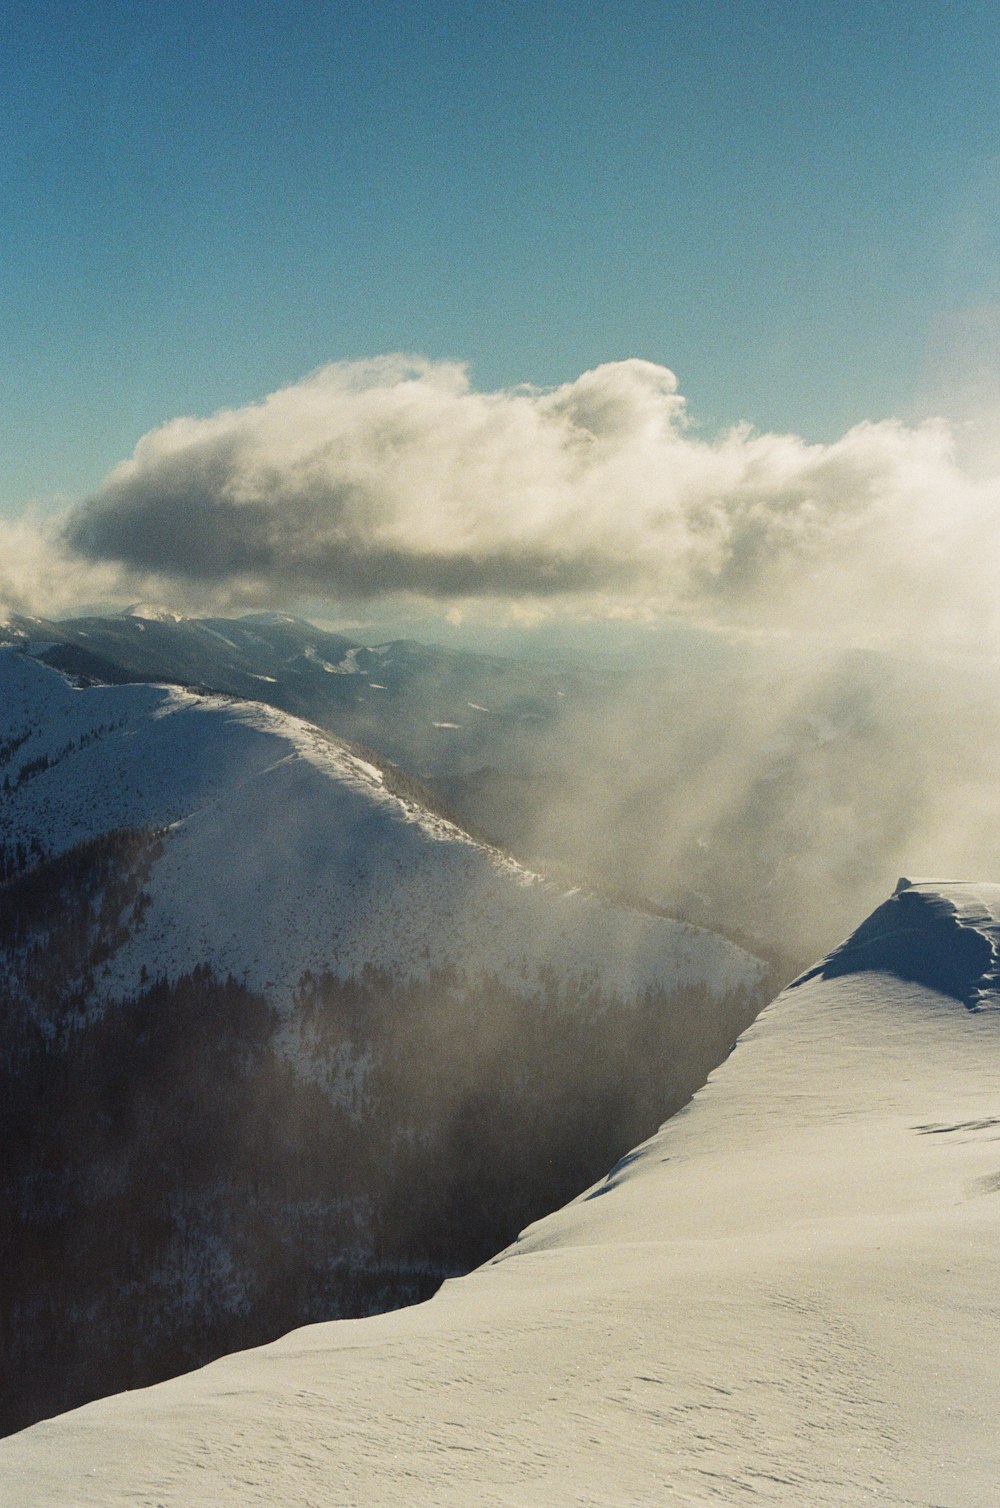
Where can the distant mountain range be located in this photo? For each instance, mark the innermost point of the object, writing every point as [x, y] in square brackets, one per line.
[767, 793]
[279, 1040]
[430, 709]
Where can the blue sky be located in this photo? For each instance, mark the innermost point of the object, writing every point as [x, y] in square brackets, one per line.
[795, 208]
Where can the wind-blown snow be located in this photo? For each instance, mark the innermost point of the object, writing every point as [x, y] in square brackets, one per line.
[789, 1294]
[286, 852]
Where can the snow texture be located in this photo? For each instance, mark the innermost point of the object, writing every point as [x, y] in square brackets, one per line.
[945, 937]
[789, 1294]
[285, 851]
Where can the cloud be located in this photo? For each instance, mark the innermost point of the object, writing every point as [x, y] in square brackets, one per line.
[40, 575]
[394, 476]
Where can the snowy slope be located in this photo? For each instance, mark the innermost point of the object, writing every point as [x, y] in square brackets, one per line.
[789, 1294]
[427, 707]
[286, 852]
[279, 1044]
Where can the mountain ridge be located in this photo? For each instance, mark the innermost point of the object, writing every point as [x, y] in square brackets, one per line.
[787, 1293]
[944, 934]
[279, 1043]
[110, 738]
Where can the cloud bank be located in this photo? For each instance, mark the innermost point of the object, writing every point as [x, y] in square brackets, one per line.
[41, 575]
[394, 476]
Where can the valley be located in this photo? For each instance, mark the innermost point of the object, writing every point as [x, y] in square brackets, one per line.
[281, 1043]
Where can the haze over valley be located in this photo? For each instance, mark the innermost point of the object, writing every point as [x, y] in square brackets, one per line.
[499, 701]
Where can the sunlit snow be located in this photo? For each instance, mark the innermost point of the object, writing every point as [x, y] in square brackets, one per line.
[789, 1294]
[285, 851]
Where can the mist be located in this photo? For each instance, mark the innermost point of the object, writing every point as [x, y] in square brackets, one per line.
[773, 790]
[756, 683]
[40, 576]
[787, 651]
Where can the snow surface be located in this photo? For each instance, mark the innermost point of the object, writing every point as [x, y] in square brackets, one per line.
[790, 1294]
[286, 852]
[946, 936]
[152, 612]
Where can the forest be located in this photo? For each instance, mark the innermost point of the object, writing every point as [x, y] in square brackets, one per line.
[191, 1171]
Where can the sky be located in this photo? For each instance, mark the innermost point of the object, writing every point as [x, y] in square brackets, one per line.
[795, 211]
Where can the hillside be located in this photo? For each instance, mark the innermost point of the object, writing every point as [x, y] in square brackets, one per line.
[429, 708]
[766, 793]
[786, 1295]
[283, 850]
[280, 1043]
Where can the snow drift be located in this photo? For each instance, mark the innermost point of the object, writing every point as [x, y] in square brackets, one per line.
[946, 938]
[786, 1295]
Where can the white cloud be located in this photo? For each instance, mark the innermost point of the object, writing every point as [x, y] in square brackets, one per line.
[40, 576]
[394, 476]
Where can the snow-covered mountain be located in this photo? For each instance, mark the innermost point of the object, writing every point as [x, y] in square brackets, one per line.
[788, 1294]
[765, 791]
[284, 851]
[431, 709]
[279, 1041]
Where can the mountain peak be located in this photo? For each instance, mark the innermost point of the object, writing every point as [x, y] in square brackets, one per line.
[276, 618]
[151, 612]
[941, 933]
